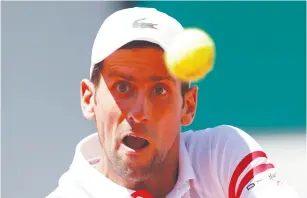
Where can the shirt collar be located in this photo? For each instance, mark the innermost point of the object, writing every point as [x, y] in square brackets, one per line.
[87, 154]
[186, 172]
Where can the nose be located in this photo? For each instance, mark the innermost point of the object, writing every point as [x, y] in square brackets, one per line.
[139, 110]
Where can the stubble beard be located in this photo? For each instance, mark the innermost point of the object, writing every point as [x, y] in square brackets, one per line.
[132, 172]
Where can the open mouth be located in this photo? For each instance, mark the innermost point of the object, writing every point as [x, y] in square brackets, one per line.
[134, 142]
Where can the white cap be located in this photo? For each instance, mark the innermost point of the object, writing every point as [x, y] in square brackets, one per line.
[133, 24]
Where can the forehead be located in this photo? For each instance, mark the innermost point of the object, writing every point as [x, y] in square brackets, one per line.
[137, 61]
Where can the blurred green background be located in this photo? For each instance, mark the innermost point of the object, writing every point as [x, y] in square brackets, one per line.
[259, 80]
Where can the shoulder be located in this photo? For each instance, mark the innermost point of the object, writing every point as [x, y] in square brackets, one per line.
[68, 192]
[217, 138]
[223, 153]
[61, 192]
[219, 145]
[214, 148]
[68, 187]
[56, 194]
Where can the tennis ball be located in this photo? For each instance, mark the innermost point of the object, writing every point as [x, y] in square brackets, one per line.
[190, 55]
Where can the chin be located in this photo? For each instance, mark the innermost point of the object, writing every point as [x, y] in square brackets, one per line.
[139, 168]
[138, 164]
[137, 175]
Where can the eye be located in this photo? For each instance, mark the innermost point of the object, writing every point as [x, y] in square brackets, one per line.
[123, 87]
[159, 90]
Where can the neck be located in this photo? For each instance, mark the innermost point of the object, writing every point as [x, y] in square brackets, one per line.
[159, 184]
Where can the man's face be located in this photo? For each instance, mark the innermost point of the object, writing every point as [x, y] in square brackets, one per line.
[138, 110]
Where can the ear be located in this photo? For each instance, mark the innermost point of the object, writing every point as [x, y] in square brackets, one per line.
[189, 106]
[87, 90]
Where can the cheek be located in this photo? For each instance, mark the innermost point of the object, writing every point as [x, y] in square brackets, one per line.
[167, 130]
[107, 111]
[168, 109]
[166, 118]
[105, 104]
[107, 114]
[160, 114]
[108, 127]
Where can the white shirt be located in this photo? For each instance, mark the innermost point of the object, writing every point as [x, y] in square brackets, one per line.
[212, 163]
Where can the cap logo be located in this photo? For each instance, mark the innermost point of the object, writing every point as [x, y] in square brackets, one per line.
[138, 24]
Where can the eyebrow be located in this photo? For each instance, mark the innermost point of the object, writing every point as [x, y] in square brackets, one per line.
[121, 75]
[130, 78]
[160, 78]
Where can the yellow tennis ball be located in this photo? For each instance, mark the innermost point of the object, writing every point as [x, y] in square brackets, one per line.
[191, 54]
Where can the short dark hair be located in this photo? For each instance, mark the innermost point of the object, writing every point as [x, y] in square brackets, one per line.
[95, 77]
